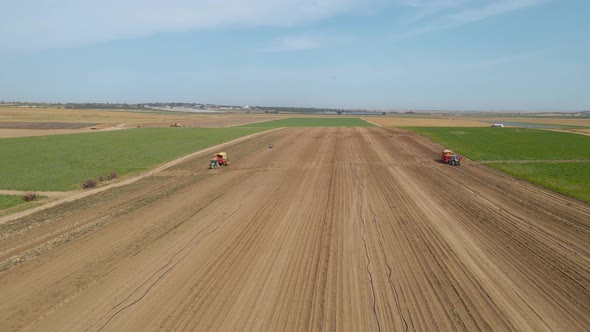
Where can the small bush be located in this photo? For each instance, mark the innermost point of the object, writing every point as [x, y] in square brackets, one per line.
[29, 196]
[108, 177]
[88, 184]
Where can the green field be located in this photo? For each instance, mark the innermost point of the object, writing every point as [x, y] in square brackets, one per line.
[311, 122]
[572, 179]
[514, 144]
[63, 162]
[7, 201]
[510, 143]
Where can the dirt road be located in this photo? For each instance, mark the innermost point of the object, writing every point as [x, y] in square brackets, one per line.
[334, 228]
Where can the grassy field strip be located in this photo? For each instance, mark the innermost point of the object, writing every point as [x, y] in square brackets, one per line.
[20, 192]
[63, 162]
[311, 122]
[81, 194]
[510, 143]
[555, 160]
[12, 198]
[570, 178]
[13, 203]
[7, 201]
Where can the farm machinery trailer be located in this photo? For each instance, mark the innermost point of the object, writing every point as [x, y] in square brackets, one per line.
[448, 157]
[218, 159]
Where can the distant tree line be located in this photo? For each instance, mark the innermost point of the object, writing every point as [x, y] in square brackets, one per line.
[129, 106]
[103, 106]
[300, 109]
[194, 105]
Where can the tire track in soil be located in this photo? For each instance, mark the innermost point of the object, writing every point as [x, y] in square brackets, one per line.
[142, 290]
[334, 228]
[360, 185]
[427, 182]
[37, 239]
[230, 265]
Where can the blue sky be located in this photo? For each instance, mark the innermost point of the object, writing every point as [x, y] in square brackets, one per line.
[376, 54]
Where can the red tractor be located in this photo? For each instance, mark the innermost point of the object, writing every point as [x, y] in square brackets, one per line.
[219, 159]
[448, 157]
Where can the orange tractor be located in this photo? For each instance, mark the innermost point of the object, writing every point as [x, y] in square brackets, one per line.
[219, 159]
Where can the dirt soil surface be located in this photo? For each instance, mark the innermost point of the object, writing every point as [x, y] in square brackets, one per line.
[578, 131]
[353, 229]
[44, 125]
[427, 122]
[541, 120]
[23, 122]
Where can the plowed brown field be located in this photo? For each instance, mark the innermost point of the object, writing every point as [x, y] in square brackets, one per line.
[333, 229]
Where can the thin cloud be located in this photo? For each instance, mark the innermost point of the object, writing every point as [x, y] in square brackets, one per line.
[34, 24]
[292, 43]
[433, 16]
[492, 9]
[506, 59]
[31, 24]
[425, 9]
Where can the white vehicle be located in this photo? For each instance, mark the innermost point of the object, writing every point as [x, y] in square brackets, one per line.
[499, 125]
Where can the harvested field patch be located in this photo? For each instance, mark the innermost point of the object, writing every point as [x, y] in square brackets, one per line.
[313, 122]
[44, 125]
[9, 133]
[581, 131]
[572, 122]
[23, 122]
[333, 229]
[388, 121]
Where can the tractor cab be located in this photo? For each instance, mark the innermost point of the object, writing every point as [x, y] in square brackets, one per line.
[448, 157]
